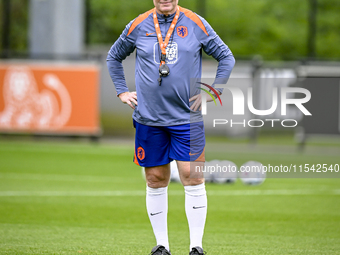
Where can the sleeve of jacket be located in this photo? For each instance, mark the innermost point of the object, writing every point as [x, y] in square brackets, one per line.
[213, 45]
[122, 48]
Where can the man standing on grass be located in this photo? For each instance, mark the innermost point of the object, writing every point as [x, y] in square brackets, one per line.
[169, 40]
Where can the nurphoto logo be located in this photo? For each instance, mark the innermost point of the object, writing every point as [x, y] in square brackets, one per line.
[240, 101]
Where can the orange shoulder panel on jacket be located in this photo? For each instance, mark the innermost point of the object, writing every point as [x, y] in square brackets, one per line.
[191, 15]
[139, 19]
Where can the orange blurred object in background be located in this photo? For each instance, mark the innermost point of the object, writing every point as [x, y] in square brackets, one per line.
[49, 98]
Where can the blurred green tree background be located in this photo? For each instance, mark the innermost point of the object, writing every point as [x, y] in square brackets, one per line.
[275, 29]
[18, 36]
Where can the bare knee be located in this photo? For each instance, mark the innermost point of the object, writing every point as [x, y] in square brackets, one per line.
[187, 177]
[189, 181]
[157, 177]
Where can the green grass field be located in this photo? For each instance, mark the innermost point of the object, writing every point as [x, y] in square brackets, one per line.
[81, 198]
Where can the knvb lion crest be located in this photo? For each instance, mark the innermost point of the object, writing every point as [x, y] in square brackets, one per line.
[182, 31]
[140, 153]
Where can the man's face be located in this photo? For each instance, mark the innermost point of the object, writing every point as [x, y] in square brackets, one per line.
[165, 6]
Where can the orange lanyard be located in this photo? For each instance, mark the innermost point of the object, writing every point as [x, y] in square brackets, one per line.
[164, 44]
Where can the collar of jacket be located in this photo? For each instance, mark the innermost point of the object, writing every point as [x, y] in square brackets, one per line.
[165, 19]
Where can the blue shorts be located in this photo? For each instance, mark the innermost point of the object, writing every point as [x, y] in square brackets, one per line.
[158, 145]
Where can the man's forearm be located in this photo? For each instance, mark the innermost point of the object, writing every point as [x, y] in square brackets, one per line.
[225, 66]
[117, 74]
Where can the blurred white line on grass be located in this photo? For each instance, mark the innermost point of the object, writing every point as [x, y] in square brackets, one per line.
[122, 193]
[57, 177]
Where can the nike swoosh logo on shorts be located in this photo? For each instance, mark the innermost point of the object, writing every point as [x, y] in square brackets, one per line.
[192, 154]
[198, 207]
[147, 34]
[153, 214]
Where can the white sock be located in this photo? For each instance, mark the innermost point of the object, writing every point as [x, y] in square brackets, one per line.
[157, 207]
[196, 211]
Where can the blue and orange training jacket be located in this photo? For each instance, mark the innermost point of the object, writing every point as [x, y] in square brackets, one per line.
[168, 104]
